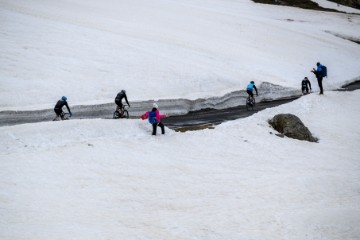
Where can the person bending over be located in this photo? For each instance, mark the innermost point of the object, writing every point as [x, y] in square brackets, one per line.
[305, 85]
[154, 118]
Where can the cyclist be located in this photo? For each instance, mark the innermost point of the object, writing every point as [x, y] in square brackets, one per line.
[249, 90]
[305, 84]
[118, 100]
[59, 105]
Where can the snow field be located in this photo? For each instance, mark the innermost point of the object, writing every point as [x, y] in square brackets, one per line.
[101, 179]
[164, 49]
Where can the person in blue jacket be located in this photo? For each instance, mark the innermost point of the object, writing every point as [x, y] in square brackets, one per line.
[319, 76]
[249, 89]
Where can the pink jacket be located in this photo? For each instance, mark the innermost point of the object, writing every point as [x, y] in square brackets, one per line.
[158, 116]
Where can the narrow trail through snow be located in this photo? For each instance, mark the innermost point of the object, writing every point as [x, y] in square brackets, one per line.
[191, 121]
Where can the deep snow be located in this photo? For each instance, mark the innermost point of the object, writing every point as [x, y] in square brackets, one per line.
[107, 179]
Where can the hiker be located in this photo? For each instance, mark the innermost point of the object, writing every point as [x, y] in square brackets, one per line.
[154, 118]
[319, 73]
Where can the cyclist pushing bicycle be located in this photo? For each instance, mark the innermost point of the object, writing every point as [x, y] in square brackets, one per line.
[249, 89]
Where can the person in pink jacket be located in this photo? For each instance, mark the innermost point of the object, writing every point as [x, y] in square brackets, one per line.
[154, 118]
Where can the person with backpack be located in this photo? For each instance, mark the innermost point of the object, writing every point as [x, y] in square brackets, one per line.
[154, 118]
[59, 105]
[118, 100]
[320, 72]
[305, 84]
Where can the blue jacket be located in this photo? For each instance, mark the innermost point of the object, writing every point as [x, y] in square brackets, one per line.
[250, 86]
[319, 68]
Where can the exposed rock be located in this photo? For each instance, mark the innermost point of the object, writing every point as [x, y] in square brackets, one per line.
[308, 4]
[292, 127]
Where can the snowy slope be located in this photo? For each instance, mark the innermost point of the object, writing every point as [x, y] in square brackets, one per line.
[89, 50]
[105, 179]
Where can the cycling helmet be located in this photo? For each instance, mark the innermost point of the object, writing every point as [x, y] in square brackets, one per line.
[252, 82]
[123, 91]
[64, 98]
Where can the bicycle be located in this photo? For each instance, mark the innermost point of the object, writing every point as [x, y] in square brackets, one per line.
[63, 116]
[306, 91]
[121, 112]
[250, 103]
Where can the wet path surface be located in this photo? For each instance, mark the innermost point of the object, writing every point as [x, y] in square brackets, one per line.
[209, 117]
[205, 118]
[197, 119]
[351, 87]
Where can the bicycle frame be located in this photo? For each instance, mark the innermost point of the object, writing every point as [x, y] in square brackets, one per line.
[123, 107]
[250, 103]
[62, 116]
[122, 112]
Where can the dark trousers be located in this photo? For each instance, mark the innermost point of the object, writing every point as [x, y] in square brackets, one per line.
[320, 85]
[119, 105]
[58, 111]
[250, 92]
[305, 89]
[155, 127]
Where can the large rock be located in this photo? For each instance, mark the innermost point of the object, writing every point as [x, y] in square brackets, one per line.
[292, 127]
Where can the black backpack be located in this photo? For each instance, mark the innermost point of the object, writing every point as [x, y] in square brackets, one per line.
[324, 71]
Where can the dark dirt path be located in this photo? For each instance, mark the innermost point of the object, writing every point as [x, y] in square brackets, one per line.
[208, 117]
[205, 118]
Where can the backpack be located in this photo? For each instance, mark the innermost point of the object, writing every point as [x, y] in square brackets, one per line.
[324, 71]
[152, 117]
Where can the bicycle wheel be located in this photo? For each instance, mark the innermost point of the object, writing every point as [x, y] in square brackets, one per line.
[66, 116]
[249, 104]
[249, 107]
[125, 114]
[116, 115]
